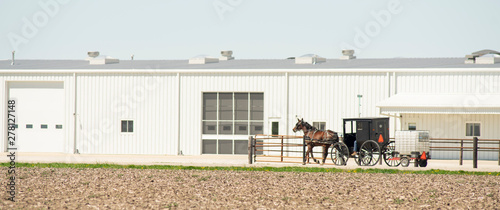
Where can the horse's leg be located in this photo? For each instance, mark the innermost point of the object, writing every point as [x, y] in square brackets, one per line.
[325, 152]
[309, 148]
[312, 154]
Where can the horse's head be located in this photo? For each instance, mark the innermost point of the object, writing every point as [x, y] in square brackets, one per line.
[299, 126]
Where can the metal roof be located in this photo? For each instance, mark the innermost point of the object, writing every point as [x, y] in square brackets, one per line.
[477, 103]
[392, 63]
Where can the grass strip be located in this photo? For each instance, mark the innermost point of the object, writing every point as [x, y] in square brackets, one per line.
[236, 168]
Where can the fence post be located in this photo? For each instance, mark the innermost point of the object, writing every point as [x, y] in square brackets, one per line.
[254, 149]
[281, 148]
[250, 149]
[499, 153]
[461, 151]
[474, 153]
[304, 150]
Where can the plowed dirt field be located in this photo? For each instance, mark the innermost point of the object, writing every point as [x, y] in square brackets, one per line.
[58, 188]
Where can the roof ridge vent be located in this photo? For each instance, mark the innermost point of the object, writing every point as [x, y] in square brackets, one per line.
[226, 55]
[483, 57]
[309, 59]
[203, 59]
[347, 55]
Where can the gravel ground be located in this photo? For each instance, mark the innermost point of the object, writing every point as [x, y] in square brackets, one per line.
[187, 189]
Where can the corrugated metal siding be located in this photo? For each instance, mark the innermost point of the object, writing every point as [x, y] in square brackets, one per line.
[331, 97]
[151, 100]
[452, 82]
[192, 86]
[68, 94]
[453, 126]
[147, 99]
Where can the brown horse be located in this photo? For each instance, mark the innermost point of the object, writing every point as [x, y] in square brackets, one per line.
[315, 137]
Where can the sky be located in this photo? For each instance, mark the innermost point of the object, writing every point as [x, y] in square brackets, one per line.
[252, 29]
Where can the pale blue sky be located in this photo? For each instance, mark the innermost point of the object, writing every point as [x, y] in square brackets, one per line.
[269, 29]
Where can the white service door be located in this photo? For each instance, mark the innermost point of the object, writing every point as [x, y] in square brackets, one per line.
[40, 115]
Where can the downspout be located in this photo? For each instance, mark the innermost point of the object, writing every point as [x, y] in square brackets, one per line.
[179, 151]
[75, 150]
[287, 102]
[389, 85]
[395, 83]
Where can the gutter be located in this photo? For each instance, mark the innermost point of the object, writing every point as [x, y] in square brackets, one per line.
[75, 115]
[246, 71]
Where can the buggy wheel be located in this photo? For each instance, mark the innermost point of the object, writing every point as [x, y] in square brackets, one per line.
[369, 153]
[405, 161]
[340, 154]
[422, 163]
[391, 157]
[358, 160]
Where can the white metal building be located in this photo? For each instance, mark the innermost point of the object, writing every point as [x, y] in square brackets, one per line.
[173, 107]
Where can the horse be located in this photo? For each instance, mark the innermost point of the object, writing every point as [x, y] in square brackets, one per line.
[315, 137]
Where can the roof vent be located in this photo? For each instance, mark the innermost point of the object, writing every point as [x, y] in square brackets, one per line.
[483, 57]
[226, 55]
[347, 55]
[309, 59]
[96, 59]
[93, 54]
[203, 59]
[13, 58]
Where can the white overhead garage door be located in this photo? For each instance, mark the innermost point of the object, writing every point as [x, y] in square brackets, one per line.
[40, 115]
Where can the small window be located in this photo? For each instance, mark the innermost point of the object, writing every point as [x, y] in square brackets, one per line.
[44, 126]
[29, 126]
[473, 129]
[320, 125]
[275, 128]
[127, 126]
[58, 126]
[412, 126]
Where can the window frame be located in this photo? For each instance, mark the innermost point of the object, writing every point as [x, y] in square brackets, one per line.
[234, 122]
[127, 132]
[235, 134]
[412, 123]
[319, 124]
[473, 128]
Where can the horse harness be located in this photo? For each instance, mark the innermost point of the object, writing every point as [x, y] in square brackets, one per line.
[322, 141]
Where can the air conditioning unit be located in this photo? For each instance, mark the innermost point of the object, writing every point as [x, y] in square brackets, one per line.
[226, 55]
[347, 55]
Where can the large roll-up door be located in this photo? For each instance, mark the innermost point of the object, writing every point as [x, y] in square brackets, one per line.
[40, 115]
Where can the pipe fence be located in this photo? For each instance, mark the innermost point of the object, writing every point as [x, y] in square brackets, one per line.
[278, 148]
[289, 149]
[474, 145]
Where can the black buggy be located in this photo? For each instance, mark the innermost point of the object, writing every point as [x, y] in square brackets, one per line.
[372, 138]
